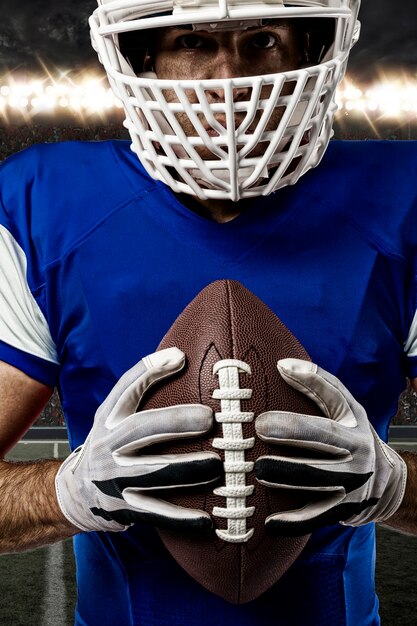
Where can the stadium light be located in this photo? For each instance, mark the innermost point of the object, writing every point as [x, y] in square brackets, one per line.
[88, 94]
[389, 97]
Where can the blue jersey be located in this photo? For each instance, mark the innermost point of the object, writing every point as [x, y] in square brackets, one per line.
[98, 260]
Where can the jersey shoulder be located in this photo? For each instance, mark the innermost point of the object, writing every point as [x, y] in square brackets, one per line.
[359, 153]
[373, 184]
[373, 168]
[57, 193]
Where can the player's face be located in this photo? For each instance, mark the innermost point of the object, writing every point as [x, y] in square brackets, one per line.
[199, 55]
[183, 54]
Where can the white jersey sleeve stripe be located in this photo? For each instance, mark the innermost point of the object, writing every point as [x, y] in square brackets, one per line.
[22, 323]
[410, 346]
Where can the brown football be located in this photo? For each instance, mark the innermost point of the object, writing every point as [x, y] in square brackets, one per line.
[232, 342]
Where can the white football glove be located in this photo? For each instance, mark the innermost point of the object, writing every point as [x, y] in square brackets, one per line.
[109, 483]
[353, 476]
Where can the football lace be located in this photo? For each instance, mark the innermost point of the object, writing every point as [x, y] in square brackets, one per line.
[234, 446]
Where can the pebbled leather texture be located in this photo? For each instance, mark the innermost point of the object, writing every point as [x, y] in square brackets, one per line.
[227, 321]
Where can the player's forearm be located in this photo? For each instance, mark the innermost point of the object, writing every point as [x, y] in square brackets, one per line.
[29, 512]
[405, 518]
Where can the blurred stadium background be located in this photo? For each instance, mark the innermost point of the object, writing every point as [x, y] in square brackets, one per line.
[38, 588]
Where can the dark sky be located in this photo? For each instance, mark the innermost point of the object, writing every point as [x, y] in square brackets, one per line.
[57, 34]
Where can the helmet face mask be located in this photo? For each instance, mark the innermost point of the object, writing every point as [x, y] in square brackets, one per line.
[258, 132]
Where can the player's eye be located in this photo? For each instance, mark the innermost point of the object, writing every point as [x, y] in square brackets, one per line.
[263, 40]
[190, 41]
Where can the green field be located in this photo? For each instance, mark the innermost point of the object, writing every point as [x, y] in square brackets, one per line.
[38, 587]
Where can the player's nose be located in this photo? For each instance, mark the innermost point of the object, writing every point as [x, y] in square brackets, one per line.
[229, 64]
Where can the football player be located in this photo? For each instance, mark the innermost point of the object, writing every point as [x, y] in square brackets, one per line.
[229, 104]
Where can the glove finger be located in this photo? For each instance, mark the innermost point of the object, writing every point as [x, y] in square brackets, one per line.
[287, 473]
[136, 507]
[165, 472]
[165, 514]
[323, 388]
[306, 432]
[128, 391]
[310, 517]
[157, 425]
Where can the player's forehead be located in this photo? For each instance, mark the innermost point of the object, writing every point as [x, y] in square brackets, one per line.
[235, 25]
[230, 27]
[225, 34]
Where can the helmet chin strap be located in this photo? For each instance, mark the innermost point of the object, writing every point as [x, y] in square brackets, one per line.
[243, 174]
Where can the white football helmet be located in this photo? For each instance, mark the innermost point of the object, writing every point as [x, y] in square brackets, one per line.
[226, 163]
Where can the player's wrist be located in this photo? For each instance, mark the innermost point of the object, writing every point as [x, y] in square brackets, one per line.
[74, 505]
[67, 493]
[394, 492]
